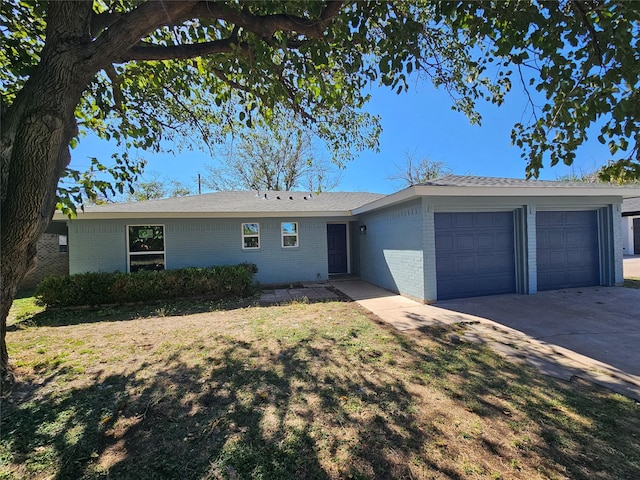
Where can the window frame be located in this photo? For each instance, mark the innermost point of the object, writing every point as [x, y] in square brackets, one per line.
[163, 252]
[284, 235]
[252, 235]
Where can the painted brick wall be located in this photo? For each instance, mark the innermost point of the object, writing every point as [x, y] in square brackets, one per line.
[49, 261]
[391, 252]
[97, 246]
[101, 246]
[616, 212]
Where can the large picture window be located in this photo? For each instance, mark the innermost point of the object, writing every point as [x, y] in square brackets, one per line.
[289, 234]
[146, 247]
[250, 236]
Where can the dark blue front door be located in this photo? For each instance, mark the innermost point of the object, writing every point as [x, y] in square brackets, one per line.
[337, 247]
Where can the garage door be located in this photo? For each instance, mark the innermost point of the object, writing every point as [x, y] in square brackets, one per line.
[475, 254]
[567, 246]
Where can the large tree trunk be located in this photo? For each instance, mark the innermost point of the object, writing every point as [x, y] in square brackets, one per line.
[36, 131]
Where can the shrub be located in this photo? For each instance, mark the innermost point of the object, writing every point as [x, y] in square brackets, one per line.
[214, 283]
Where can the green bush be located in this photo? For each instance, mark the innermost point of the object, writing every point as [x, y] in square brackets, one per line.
[215, 283]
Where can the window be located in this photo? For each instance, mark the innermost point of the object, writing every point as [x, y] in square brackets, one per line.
[146, 247]
[63, 247]
[290, 234]
[250, 235]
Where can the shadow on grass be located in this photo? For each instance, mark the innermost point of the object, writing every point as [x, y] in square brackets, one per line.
[228, 421]
[585, 428]
[57, 317]
[253, 411]
[631, 283]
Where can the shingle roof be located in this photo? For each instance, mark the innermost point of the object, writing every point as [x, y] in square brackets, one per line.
[477, 181]
[631, 205]
[243, 202]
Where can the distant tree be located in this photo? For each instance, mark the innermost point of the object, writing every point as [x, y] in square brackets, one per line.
[605, 174]
[580, 175]
[413, 171]
[155, 188]
[280, 158]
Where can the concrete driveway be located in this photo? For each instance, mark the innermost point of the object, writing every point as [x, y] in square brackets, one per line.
[632, 266]
[599, 322]
[590, 333]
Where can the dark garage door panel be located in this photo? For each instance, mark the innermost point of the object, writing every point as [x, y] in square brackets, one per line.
[567, 249]
[474, 254]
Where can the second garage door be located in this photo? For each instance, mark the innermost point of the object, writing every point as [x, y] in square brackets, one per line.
[475, 254]
[568, 254]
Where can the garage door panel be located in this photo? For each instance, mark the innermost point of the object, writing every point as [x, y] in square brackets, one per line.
[462, 220]
[484, 220]
[483, 254]
[486, 241]
[464, 242]
[567, 249]
[444, 243]
[464, 264]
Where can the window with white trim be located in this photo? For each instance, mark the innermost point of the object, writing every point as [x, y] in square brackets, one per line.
[289, 234]
[250, 236]
[145, 245]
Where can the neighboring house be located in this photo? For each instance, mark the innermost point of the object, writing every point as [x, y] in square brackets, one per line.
[52, 256]
[447, 238]
[631, 226]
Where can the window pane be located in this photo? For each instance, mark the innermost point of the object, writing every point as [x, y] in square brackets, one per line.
[251, 242]
[250, 229]
[146, 238]
[290, 228]
[290, 241]
[146, 262]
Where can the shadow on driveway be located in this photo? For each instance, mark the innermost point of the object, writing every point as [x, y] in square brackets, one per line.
[602, 323]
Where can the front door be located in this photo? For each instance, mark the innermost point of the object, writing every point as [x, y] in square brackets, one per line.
[636, 236]
[337, 247]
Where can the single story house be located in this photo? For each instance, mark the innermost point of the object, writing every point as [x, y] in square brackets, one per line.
[456, 236]
[631, 226]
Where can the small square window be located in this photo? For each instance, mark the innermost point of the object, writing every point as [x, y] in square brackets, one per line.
[289, 234]
[250, 236]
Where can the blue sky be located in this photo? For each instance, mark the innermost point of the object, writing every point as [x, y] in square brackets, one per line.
[420, 122]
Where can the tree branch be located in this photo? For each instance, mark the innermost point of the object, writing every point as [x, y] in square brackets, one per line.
[121, 40]
[594, 39]
[146, 51]
[115, 84]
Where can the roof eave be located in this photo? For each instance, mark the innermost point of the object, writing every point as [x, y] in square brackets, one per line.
[142, 215]
[496, 191]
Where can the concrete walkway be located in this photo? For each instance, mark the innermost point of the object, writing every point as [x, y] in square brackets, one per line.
[550, 358]
[304, 293]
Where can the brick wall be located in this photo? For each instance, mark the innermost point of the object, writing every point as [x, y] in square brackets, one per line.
[49, 261]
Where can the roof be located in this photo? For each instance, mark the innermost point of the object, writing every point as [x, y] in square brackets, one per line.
[498, 182]
[344, 204]
[631, 206]
[237, 204]
[476, 186]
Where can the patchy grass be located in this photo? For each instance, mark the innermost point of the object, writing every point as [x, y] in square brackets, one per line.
[24, 307]
[305, 391]
[632, 282]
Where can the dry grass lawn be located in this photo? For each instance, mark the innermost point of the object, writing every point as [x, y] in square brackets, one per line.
[304, 391]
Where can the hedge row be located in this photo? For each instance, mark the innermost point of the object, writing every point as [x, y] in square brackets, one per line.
[215, 283]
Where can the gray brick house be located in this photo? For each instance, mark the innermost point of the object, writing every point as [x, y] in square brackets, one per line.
[452, 237]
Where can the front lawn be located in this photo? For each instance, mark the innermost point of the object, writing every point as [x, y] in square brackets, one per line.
[304, 391]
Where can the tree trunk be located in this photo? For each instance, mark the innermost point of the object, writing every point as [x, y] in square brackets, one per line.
[36, 131]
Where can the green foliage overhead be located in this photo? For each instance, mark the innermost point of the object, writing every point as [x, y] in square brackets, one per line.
[224, 65]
